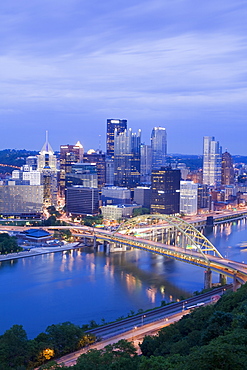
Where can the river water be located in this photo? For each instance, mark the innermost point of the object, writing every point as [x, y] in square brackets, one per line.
[83, 285]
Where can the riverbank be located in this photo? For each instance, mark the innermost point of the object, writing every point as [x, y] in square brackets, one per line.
[35, 251]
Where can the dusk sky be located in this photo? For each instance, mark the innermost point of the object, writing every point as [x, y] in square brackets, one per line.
[68, 65]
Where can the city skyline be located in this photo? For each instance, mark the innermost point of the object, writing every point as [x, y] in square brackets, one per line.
[68, 67]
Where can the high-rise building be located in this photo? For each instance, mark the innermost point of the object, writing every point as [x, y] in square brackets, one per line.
[21, 200]
[69, 154]
[83, 174]
[118, 125]
[165, 191]
[127, 158]
[227, 171]
[211, 161]
[142, 196]
[188, 197]
[115, 195]
[146, 164]
[98, 158]
[47, 165]
[203, 200]
[82, 201]
[159, 147]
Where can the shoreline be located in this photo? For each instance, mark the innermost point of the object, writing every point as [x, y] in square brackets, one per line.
[37, 251]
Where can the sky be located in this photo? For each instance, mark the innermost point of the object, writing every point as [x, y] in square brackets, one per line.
[66, 66]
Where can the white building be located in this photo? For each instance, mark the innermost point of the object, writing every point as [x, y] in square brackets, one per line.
[117, 212]
[211, 161]
[188, 197]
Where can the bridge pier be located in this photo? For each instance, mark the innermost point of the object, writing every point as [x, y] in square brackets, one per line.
[208, 279]
[236, 284]
[223, 279]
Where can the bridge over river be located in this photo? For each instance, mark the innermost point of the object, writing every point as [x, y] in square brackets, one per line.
[171, 237]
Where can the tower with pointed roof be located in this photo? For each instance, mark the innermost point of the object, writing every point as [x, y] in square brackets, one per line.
[47, 165]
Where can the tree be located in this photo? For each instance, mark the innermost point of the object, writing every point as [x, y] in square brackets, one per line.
[140, 211]
[14, 347]
[65, 337]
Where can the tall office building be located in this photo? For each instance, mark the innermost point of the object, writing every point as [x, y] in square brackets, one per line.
[82, 201]
[98, 158]
[118, 125]
[159, 147]
[211, 161]
[47, 165]
[69, 154]
[188, 197]
[83, 174]
[146, 163]
[227, 171]
[127, 158]
[165, 191]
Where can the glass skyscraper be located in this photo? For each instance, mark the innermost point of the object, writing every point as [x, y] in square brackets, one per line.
[211, 161]
[113, 124]
[159, 147]
[127, 158]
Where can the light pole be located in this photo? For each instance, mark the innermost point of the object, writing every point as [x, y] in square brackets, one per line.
[184, 305]
[143, 318]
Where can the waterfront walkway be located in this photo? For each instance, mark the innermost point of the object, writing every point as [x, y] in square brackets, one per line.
[35, 251]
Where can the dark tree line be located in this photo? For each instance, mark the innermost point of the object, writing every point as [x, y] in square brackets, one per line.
[212, 337]
[8, 244]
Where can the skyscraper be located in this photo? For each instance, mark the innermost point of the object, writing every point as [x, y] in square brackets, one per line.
[165, 191]
[47, 165]
[99, 159]
[69, 154]
[113, 124]
[146, 164]
[227, 171]
[159, 147]
[211, 161]
[127, 158]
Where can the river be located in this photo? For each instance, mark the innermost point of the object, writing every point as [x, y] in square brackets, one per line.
[83, 285]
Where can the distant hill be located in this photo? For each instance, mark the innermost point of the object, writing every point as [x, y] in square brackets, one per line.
[11, 158]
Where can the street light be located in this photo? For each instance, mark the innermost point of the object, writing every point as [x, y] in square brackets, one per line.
[143, 318]
[184, 305]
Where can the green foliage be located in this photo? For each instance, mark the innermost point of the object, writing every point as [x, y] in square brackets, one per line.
[92, 220]
[140, 211]
[53, 212]
[64, 337]
[14, 348]
[121, 355]
[8, 244]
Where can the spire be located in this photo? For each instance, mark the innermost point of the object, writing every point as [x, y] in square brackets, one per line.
[46, 147]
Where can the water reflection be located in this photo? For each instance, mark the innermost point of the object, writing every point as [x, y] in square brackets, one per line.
[83, 285]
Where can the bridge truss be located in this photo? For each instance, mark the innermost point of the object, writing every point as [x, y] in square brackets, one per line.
[194, 237]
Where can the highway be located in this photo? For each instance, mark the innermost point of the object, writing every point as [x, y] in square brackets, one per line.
[148, 323]
[129, 323]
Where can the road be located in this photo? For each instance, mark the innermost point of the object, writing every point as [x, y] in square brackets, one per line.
[148, 323]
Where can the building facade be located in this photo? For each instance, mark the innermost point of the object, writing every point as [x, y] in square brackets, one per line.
[118, 125]
[146, 164]
[165, 191]
[83, 174]
[227, 170]
[188, 197]
[82, 201]
[98, 158]
[159, 147]
[69, 154]
[47, 165]
[211, 161]
[127, 159]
